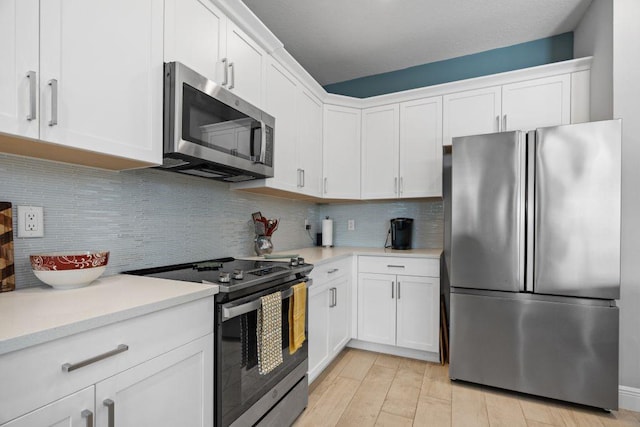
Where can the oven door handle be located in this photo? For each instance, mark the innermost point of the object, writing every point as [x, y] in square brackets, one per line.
[229, 311]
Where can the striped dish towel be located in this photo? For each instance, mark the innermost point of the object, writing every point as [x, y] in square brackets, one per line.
[269, 332]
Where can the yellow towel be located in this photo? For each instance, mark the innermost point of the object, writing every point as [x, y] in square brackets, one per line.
[297, 308]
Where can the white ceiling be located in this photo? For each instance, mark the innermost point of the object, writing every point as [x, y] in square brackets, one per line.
[338, 40]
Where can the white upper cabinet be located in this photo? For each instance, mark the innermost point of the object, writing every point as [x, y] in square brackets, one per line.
[101, 76]
[19, 73]
[298, 135]
[244, 65]
[83, 75]
[380, 152]
[536, 103]
[309, 146]
[524, 105]
[402, 150]
[341, 152]
[280, 102]
[421, 148]
[200, 36]
[472, 112]
[195, 34]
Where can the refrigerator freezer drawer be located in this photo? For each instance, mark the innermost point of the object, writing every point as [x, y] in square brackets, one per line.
[563, 351]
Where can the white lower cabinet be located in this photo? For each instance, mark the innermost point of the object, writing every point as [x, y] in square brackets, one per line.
[155, 369]
[399, 309]
[169, 390]
[329, 313]
[75, 410]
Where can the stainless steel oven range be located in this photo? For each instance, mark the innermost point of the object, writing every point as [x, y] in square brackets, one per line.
[243, 396]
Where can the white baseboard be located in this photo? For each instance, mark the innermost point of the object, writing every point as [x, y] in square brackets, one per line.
[629, 398]
[396, 351]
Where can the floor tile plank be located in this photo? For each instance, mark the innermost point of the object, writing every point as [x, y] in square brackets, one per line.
[432, 412]
[391, 420]
[331, 404]
[369, 398]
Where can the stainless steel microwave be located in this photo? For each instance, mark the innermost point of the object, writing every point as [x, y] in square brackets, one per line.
[210, 132]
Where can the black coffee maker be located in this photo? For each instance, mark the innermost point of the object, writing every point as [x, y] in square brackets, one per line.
[401, 231]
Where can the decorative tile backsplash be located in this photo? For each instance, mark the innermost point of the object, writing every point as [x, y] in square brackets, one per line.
[372, 222]
[145, 217]
[149, 217]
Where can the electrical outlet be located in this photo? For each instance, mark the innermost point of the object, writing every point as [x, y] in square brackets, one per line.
[351, 224]
[307, 226]
[30, 221]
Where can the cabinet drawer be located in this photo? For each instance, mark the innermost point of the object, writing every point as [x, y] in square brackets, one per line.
[37, 376]
[395, 265]
[331, 270]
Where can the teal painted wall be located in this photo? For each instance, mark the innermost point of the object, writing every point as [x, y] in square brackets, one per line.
[524, 55]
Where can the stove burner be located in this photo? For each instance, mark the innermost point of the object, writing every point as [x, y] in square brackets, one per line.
[224, 277]
[238, 274]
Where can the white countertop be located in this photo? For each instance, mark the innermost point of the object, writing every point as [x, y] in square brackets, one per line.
[317, 255]
[35, 315]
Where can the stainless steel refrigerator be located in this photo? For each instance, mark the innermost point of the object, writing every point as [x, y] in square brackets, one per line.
[532, 249]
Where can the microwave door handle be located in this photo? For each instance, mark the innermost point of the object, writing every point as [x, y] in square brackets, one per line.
[263, 143]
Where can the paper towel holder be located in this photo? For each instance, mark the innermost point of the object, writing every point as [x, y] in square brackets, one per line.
[327, 232]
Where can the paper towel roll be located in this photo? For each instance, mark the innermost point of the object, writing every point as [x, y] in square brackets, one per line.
[327, 232]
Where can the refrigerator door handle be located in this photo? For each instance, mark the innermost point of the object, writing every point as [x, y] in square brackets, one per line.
[530, 209]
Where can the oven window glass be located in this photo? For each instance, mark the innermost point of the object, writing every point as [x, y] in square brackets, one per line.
[241, 383]
[215, 125]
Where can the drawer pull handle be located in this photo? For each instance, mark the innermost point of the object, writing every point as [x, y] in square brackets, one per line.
[111, 412]
[393, 284]
[68, 367]
[398, 289]
[394, 266]
[333, 270]
[89, 416]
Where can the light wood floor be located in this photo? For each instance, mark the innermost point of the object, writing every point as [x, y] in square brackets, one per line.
[361, 388]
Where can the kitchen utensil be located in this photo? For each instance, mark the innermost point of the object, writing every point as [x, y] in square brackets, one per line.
[69, 270]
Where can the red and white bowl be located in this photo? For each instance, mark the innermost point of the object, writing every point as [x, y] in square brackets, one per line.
[68, 270]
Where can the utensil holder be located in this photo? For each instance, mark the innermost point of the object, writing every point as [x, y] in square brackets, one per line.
[263, 245]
